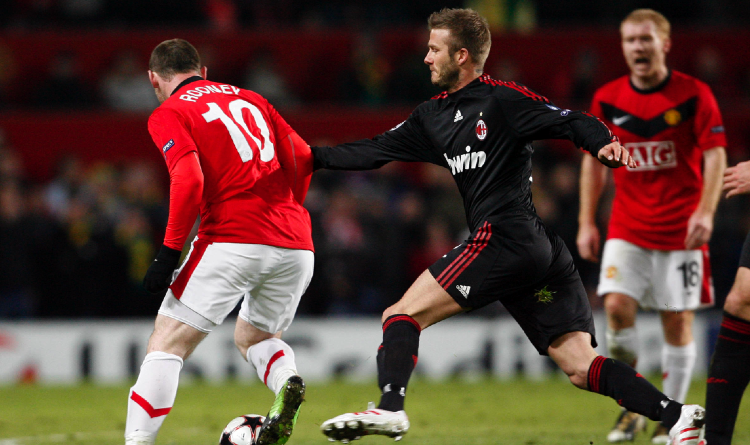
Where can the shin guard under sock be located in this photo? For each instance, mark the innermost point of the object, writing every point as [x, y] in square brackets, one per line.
[619, 381]
[728, 376]
[677, 363]
[397, 357]
[152, 396]
[273, 360]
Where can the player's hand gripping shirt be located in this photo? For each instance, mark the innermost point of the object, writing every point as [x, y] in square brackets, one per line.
[482, 133]
[666, 130]
[245, 150]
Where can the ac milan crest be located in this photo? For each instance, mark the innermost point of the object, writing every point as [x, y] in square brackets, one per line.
[481, 130]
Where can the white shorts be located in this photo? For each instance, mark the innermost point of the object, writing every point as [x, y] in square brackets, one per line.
[665, 280]
[215, 276]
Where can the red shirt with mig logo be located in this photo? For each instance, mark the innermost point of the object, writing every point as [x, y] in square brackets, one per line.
[666, 129]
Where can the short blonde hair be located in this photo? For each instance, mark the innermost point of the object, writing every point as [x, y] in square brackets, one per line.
[642, 15]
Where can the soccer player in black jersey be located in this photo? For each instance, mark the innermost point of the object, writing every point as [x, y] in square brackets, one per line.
[481, 129]
[729, 373]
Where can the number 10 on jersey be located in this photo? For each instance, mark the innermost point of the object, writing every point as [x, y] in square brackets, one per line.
[233, 124]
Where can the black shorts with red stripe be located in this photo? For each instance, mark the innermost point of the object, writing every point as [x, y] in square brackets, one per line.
[516, 260]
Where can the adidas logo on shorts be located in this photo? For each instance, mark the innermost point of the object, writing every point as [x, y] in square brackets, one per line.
[464, 290]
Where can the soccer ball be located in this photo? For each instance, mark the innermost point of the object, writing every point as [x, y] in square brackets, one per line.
[242, 430]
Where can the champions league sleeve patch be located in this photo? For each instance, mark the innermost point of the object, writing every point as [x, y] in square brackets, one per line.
[717, 129]
[397, 126]
[167, 146]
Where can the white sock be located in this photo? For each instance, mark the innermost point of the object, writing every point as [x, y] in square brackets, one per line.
[622, 345]
[152, 396]
[677, 364]
[273, 359]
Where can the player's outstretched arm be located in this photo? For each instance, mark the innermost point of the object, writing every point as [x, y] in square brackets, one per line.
[737, 179]
[405, 142]
[614, 155]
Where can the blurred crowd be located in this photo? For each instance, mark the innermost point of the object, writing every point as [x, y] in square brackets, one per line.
[79, 244]
[229, 15]
[366, 77]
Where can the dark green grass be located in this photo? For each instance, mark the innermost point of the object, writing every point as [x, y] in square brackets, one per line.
[483, 412]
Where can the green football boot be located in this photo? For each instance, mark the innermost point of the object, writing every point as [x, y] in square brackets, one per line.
[282, 417]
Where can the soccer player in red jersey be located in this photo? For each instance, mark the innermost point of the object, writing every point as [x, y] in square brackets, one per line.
[729, 373]
[656, 253]
[234, 161]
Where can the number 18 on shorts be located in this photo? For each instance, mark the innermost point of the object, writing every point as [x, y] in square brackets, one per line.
[665, 280]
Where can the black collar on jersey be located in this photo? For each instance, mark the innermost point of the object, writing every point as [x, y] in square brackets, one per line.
[652, 89]
[187, 81]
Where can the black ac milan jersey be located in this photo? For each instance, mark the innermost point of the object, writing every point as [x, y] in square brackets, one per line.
[482, 133]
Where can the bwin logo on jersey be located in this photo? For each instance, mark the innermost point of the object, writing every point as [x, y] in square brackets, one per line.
[466, 161]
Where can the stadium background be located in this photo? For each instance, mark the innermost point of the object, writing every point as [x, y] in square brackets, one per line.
[84, 201]
[84, 193]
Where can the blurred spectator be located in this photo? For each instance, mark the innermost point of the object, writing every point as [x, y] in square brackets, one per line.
[263, 76]
[437, 241]
[409, 83]
[585, 69]
[16, 254]
[126, 87]
[366, 79]
[222, 14]
[709, 68]
[8, 70]
[82, 12]
[344, 246]
[518, 15]
[134, 233]
[11, 167]
[66, 183]
[64, 88]
[507, 69]
[574, 87]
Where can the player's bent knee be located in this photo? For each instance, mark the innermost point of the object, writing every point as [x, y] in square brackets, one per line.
[387, 313]
[243, 343]
[678, 327]
[247, 335]
[737, 304]
[174, 337]
[577, 373]
[621, 310]
[395, 309]
[579, 380]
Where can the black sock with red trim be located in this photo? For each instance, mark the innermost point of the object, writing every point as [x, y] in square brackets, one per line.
[728, 376]
[397, 357]
[615, 379]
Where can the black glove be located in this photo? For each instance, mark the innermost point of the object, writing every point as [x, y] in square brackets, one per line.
[159, 274]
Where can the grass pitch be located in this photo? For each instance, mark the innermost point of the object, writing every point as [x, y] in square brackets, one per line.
[483, 412]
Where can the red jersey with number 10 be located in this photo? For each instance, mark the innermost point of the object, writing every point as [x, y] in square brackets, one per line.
[666, 130]
[246, 197]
